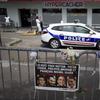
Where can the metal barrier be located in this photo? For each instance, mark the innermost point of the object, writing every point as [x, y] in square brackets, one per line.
[8, 28]
[17, 70]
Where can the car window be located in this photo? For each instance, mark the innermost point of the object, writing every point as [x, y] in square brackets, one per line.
[81, 29]
[57, 28]
[66, 28]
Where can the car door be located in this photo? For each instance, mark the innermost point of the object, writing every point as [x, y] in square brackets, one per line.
[67, 34]
[83, 36]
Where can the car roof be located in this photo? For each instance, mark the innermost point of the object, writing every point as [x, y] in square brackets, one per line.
[61, 24]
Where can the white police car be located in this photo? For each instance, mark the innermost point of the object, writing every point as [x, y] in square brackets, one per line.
[71, 34]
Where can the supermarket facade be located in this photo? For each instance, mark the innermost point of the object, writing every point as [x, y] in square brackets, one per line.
[51, 11]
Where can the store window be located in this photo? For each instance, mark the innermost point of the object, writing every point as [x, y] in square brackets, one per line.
[95, 16]
[3, 13]
[51, 16]
[34, 13]
[80, 14]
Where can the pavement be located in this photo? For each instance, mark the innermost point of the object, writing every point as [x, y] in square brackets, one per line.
[14, 41]
[20, 38]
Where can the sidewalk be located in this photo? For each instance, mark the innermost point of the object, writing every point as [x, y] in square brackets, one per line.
[24, 37]
[26, 31]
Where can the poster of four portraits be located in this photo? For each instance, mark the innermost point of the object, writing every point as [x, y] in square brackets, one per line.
[56, 76]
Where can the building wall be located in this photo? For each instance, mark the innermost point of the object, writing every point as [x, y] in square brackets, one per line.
[12, 9]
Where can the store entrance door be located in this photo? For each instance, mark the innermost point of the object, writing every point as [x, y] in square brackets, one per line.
[25, 17]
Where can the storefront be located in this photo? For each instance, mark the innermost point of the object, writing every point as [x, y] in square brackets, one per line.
[53, 14]
[22, 12]
[3, 13]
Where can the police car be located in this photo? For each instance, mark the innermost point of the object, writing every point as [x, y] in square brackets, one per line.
[71, 34]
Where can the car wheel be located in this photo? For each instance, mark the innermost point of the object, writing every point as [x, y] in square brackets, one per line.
[98, 45]
[54, 43]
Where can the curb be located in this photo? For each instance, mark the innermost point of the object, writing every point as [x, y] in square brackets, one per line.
[30, 33]
[16, 40]
[27, 33]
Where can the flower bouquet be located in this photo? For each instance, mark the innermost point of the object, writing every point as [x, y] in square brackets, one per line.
[69, 56]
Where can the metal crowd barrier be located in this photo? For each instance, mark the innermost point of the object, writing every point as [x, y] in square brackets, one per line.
[17, 70]
[11, 27]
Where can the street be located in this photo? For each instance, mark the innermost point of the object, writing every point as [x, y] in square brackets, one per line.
[27, 41]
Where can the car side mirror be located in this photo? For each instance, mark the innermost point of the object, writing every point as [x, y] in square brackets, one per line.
[91, 32]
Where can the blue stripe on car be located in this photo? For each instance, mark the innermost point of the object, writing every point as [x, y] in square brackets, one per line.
[55, 36]
[83, 39]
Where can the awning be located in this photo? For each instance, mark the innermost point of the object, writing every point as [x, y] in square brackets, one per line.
[50, 0]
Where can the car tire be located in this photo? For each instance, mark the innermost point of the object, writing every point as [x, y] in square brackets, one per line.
[98, 45]
[54, 43]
